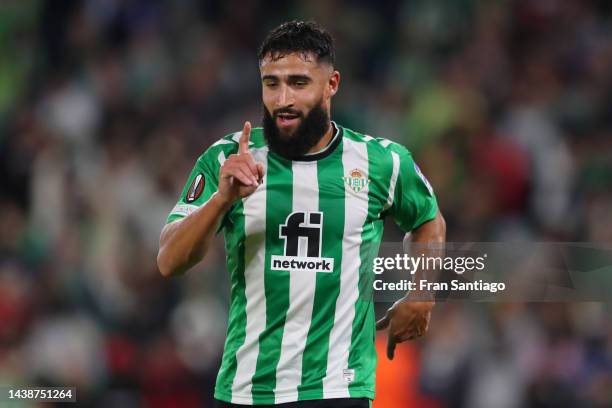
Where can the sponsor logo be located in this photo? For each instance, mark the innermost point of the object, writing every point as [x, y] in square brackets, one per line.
[196, 188]
[184, 209]
[302, 234]
[298, 263]
[356, 180]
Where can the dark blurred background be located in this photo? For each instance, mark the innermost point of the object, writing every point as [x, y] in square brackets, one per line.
[106, 104]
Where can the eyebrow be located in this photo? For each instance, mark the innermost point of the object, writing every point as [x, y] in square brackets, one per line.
[292, 78]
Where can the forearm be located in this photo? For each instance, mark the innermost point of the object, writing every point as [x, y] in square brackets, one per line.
[427, 240]
[409, 317]
[184, 243]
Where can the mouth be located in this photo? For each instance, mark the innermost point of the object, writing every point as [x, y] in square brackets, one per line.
[287, 119]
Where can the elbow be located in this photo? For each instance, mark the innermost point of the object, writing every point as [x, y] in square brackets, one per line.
[165, 265]
[441, 226]
[166, 259]
[171, 265]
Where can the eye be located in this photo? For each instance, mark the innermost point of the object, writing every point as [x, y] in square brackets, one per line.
[300, 83]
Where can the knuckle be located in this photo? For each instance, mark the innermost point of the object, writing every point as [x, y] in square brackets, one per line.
[244, 158]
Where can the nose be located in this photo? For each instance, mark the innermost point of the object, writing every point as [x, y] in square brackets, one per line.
[285, 96]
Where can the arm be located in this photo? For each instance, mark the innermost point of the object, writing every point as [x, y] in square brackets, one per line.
[183, 243]
[408, 319]
[431, 232]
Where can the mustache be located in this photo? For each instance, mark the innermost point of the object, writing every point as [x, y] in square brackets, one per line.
[289, 111]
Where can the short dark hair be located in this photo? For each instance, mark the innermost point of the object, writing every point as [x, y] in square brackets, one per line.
[298, 36]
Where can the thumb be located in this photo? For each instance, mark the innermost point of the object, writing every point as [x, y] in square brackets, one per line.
[260, 171]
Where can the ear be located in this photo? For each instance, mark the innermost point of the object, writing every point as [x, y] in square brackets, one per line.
[334, 83]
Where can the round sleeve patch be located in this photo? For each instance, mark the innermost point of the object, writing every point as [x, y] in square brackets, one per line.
[196, 188]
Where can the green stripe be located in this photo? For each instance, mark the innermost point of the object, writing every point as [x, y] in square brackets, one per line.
[279, 197]
[331, 203]
[362, 352]
[236, 331]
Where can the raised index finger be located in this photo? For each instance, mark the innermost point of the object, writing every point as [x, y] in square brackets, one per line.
[243, 146]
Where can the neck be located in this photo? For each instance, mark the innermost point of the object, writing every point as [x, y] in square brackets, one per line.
[324, 141]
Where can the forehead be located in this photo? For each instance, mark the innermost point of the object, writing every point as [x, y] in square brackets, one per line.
[292, 64]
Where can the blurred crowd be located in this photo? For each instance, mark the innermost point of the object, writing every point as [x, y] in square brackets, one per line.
[106, 104]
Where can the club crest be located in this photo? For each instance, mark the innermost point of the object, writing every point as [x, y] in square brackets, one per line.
[356, 180]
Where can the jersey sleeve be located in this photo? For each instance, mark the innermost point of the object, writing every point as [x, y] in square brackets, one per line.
[414, 201]
[201, 184]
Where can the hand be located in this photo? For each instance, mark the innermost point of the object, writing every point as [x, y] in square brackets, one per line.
[240, 175]
[406, 320]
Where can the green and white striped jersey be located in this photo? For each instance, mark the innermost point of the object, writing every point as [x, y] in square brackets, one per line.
[301, 321]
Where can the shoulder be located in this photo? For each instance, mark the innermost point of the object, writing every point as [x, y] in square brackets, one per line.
[379, 148]
[217, 152]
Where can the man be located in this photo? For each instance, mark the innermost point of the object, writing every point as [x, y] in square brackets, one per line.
[302, 203]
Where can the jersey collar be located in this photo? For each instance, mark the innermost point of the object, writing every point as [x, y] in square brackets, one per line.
[327, 150]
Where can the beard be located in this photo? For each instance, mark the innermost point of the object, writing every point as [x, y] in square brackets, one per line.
[295, 144]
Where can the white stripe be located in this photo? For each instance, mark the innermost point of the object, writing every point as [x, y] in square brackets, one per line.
[385, 142]
[223, 141]
[221, 158]
[236, 138]
[354, 155]
[367, 138]
[254, 248]
[393, 181]
[301, 293]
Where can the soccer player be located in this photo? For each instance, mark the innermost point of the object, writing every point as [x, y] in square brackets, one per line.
[301, 202]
